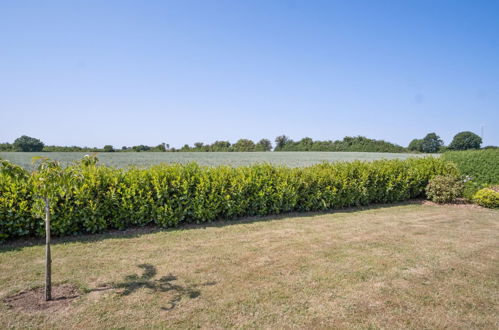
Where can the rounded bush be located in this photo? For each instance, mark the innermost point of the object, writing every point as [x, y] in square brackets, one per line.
[444, 189]
[487, 197]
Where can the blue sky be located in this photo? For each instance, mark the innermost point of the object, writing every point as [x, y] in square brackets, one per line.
[145, 72]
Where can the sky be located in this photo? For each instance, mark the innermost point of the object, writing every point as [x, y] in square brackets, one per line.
[124, 73]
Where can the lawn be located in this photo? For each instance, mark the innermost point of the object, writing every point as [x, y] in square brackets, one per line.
[123, 159]
[398, 266]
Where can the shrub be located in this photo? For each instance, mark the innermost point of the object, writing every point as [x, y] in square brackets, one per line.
[479, 166]
[444, 189]
[103, 198]
[487, 197]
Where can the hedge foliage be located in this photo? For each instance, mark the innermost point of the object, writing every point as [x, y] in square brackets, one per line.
[481, 165]
[103, 197]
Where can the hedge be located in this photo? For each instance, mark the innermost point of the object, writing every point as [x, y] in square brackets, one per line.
[167, 195]
[481, 165]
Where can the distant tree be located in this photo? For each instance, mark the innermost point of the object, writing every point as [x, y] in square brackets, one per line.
[220, 146]
[416, 145]
[160, 147]
[6, 147]
[264, 145]
[431, 143]
[465, 140]
[244, 145]
[198, 145]
[281, 142]
[305, 144]
[108, 148]
[140, 148]
[26, 143]
[124, 148]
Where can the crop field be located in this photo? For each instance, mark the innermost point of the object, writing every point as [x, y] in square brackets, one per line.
[124, 159]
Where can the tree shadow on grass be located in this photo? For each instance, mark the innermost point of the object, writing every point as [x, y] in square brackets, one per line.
[134, 282]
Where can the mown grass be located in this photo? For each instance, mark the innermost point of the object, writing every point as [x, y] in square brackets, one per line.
[404, 266]
[123, 159]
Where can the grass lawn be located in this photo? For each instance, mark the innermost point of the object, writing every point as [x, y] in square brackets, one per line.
[403, 266]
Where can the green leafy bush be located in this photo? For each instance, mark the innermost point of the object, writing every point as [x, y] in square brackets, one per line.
[444, 189]
[102, 197]
[487, 197]
[479, 166]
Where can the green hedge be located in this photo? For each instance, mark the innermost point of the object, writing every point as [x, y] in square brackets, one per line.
[166, 195]
[481, 165]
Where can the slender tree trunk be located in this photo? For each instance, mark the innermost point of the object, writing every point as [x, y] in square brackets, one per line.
[48, 260]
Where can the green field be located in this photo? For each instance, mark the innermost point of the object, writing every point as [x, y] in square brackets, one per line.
[292, 159]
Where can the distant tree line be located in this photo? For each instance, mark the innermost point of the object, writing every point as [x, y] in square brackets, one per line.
[242, 145]
[431, 143]
[357, 143]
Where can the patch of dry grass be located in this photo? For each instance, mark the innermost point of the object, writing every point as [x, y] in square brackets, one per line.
[405, 266]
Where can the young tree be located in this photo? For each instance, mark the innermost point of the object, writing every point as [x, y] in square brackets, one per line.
[27, 144]
[50, 180]
[465, 140]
